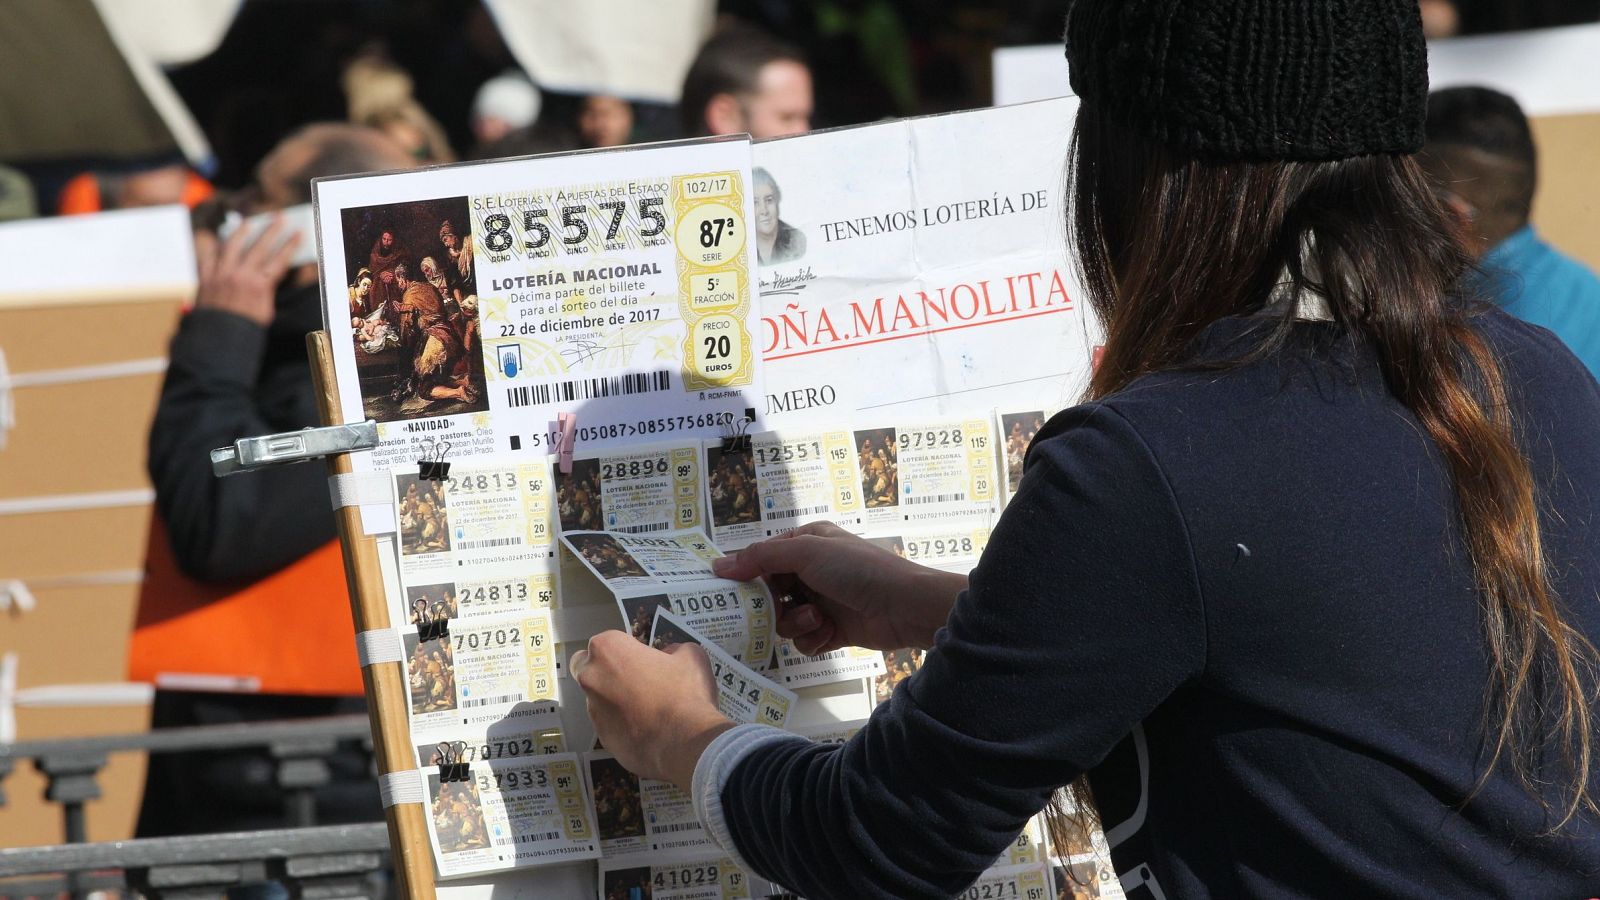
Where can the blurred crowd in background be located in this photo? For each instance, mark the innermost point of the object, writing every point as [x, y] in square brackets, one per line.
[437, 78]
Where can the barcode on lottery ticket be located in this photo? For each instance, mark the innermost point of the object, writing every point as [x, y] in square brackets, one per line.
[936, 498]
[642, 529]
[497, 542]
[536, 838]
[802, 511]
[677, 826]
[589, 388]
[491, 701]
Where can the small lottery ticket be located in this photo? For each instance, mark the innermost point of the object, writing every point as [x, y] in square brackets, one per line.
[678, 876]
[743, 694]
[627, 562]
[505, 814]
[640, 815]
[478, 670]
[638, 490]
[477, 517]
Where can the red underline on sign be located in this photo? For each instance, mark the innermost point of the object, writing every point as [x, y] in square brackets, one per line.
[915, 334]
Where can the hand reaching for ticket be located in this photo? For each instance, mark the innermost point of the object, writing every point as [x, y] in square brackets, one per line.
[655, 710]
[860, 594]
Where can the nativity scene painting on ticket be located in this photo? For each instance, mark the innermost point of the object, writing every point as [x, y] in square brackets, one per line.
[414, 309]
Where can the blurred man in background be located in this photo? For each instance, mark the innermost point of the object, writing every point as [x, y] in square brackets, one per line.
[1480, 151]
[241, 616]
[150, 183]
[16, 196]
[744, 80]
[605, 121]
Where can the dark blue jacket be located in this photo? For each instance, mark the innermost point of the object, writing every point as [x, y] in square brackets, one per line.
[1241, 603]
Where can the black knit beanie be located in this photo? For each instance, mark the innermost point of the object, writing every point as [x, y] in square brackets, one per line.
[1256, 79]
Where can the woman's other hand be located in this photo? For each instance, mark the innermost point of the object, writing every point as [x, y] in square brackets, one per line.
[859, 593]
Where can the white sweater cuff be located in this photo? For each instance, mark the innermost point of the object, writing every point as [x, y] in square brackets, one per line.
[716, 765]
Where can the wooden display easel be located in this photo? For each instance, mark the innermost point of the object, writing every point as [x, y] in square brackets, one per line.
[388, 697]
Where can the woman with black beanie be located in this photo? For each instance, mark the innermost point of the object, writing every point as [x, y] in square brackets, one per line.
[1302, 601]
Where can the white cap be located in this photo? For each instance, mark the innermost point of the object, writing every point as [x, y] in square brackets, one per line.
[510, 97]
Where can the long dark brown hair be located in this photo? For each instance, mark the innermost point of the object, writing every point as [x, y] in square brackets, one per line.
[1168, 243]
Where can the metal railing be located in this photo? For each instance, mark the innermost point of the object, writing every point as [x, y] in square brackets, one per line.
[311, 863]
[299, 749]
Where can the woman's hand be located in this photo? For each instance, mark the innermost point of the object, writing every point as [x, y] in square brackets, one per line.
[860, 594]
[655, 710]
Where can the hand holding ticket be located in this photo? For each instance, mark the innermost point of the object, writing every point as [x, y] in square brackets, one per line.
[655, 710]
[862, 594]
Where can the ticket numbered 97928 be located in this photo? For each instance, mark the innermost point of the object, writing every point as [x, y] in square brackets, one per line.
[471, 303]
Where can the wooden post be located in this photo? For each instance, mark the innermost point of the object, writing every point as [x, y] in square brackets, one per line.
[388, 697]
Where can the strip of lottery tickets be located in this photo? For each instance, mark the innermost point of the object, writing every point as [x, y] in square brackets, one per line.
[508, 813]
[743, 694]
[873, 476]
[641, 815]
[673, 572]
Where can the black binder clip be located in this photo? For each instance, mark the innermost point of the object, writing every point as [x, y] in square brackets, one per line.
[736, 436]
[452, 762]
[432, 467]
[428, 627]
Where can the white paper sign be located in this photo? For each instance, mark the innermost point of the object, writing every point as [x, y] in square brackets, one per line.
[913, 269]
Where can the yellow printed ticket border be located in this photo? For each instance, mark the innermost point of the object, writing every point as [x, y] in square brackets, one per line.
[575, 824]
[713, 297]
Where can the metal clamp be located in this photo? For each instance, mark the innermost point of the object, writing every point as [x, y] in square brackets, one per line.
[249, 453]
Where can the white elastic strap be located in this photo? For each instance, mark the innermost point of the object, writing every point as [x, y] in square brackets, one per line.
[360, 489]
[8, 698]
[380, 645]
[87, 579]
[73, 375]
[125, 369]
[15, 596]
[405, 786]
[70, 502]
[8, 409]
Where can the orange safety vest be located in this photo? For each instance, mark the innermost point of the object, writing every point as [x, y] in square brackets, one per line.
[289, 633]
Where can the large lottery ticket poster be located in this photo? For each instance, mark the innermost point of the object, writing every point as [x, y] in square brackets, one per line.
[918, 267]
[468, 304]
